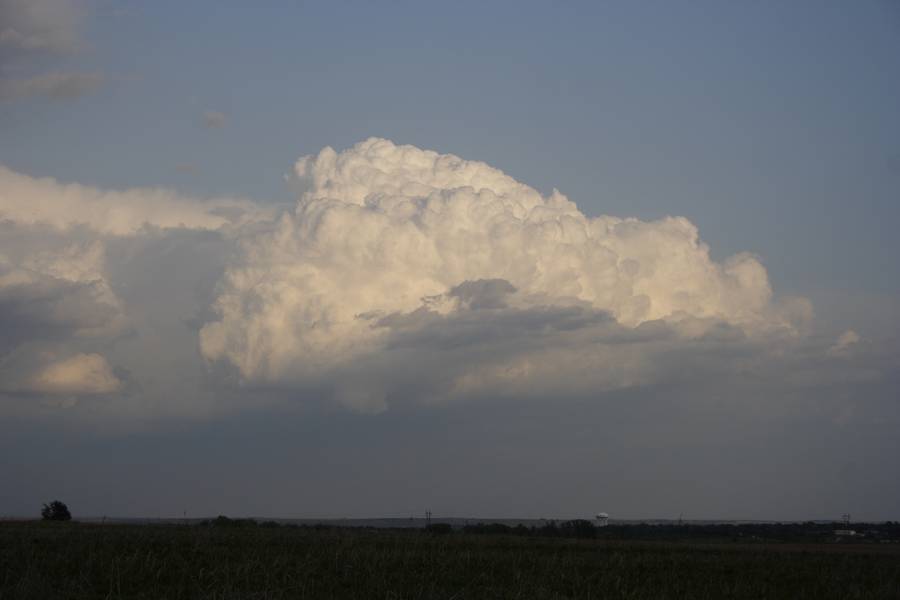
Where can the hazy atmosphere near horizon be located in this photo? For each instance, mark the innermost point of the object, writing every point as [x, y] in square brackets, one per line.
[486, 259]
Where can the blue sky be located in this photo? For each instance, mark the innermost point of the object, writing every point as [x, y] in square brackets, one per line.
[771, 126]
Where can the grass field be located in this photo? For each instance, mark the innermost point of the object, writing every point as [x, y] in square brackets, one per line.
[80, 561]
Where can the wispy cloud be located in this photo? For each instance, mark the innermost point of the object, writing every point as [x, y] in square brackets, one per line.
[32, 32]
[56, 86]
[28, 27]
[213, 119]
[187, 168]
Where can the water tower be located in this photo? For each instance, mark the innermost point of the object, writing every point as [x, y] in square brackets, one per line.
[602, 519]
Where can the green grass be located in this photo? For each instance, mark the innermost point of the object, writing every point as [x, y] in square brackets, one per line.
[78, 561]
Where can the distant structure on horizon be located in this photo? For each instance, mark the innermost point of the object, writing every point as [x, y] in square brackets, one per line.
[602, 519]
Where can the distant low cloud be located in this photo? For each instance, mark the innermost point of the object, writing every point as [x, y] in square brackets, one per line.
[79, 374]
[56, 86]
[213, 119]
[845, 343]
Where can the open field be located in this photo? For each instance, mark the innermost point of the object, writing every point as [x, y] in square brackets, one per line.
[80, 561]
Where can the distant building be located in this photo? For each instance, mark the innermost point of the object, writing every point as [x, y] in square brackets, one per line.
[844, 532]
[602, 519]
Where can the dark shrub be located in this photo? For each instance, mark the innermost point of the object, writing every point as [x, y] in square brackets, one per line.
[56, 511]
[223, 521]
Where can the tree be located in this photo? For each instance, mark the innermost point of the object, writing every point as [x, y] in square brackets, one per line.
[56, 511]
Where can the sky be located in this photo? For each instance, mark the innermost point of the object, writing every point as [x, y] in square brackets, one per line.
[485, 259]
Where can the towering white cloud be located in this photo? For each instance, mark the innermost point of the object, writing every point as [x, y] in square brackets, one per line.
[384, 236]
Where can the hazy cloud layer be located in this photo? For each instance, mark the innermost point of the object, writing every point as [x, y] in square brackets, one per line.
[400, 277]
[29, 201]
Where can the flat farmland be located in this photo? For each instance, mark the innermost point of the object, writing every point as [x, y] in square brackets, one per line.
[89, 561]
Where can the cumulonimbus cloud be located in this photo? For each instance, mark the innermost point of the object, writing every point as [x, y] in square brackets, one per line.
[387, 239]
[399, 276]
